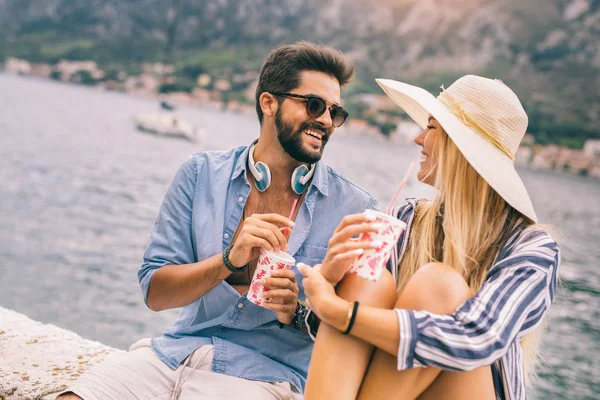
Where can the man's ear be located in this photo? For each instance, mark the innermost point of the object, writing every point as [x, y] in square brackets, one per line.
[268, 104]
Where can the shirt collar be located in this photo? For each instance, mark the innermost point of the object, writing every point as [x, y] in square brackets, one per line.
[319, 179]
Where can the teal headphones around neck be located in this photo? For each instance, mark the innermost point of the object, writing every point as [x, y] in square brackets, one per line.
[262, 174]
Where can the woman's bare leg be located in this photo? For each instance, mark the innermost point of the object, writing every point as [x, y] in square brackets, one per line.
[440, 289]
[475, 385]
[339, 362]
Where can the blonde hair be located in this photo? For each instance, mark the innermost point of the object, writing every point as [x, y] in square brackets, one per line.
[465, 227]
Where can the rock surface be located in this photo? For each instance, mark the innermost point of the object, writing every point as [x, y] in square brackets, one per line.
[39, 360]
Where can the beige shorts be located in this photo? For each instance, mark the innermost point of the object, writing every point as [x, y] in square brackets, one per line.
[141, 375]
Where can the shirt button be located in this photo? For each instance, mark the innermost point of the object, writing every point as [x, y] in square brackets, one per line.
[240, 199]
[240, 305]
[226, 235]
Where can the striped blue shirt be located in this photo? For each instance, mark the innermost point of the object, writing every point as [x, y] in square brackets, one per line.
[486, 329]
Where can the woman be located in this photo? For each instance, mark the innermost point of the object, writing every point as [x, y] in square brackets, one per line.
[472, 278]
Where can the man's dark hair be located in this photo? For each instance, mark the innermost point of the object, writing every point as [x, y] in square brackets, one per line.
[281, 70]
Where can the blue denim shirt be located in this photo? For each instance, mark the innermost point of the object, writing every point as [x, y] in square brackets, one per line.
[199, 216]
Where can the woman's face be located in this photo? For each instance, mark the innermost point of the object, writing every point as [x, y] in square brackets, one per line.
[427, 140]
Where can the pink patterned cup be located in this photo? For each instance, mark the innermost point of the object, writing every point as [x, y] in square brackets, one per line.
[370, 264]
[268, 262]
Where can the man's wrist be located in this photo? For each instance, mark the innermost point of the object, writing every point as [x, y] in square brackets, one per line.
[233, 260]
[291, 320]
[229, 263]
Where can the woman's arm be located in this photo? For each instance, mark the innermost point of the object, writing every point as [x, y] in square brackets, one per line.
[385, 337]
[512, 301]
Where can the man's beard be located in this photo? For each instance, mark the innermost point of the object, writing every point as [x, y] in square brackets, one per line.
[292, 141]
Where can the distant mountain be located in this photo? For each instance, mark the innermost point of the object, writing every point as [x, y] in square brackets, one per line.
[547, 50]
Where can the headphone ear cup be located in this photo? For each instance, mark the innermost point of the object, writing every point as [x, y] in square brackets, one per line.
[299, 173]
[264, 183]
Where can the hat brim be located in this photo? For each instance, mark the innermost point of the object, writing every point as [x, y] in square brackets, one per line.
[493, 165]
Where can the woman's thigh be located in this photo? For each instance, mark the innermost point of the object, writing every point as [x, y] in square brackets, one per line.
[473, 385]
[439, 289]
[384, 381]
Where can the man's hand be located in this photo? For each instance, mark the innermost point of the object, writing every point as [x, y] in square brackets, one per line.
[283, 294]
[260, 231]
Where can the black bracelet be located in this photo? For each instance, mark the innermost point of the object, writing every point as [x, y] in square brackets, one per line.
[352, 318]
[312, 323]
[228, 264]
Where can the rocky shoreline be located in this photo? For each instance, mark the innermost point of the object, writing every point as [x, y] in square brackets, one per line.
[40, 360]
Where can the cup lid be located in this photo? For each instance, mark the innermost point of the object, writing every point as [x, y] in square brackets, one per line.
[280, 256]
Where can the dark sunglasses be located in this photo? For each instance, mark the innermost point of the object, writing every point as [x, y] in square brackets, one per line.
[316, 106]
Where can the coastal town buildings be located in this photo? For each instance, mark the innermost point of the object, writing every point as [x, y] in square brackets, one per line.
[215, 93]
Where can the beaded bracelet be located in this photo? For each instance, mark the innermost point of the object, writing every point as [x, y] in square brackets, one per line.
[228, 264]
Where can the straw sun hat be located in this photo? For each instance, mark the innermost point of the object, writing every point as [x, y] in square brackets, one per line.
[486, 121]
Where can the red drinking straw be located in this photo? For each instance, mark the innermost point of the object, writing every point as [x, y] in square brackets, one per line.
[402, 184]
[293, 209]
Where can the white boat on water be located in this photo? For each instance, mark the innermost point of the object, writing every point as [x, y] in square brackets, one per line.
[166, 124]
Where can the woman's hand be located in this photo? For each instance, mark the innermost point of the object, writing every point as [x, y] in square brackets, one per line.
[282, 296]
[343, 249]
[321, 297]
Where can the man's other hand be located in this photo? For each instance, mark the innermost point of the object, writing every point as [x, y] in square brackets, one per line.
[283, 294]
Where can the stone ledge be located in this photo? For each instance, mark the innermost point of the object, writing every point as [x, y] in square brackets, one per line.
[39, 360]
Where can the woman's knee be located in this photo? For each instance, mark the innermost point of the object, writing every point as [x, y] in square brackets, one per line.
[435, 287]
[381, 293]
[69, 396]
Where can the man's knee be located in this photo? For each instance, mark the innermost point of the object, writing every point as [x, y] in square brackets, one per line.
[435, 287]
[381, 293]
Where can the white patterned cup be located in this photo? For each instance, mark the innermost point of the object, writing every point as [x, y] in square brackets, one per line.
[371, 263]
[268, 262]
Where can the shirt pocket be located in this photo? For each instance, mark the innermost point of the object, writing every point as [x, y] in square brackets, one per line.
[310, 254]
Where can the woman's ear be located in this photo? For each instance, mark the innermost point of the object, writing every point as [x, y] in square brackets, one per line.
[268, 104]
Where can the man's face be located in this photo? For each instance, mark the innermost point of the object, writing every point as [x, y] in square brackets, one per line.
[302, 137]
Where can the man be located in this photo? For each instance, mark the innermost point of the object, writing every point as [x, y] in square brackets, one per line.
[221, 209]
